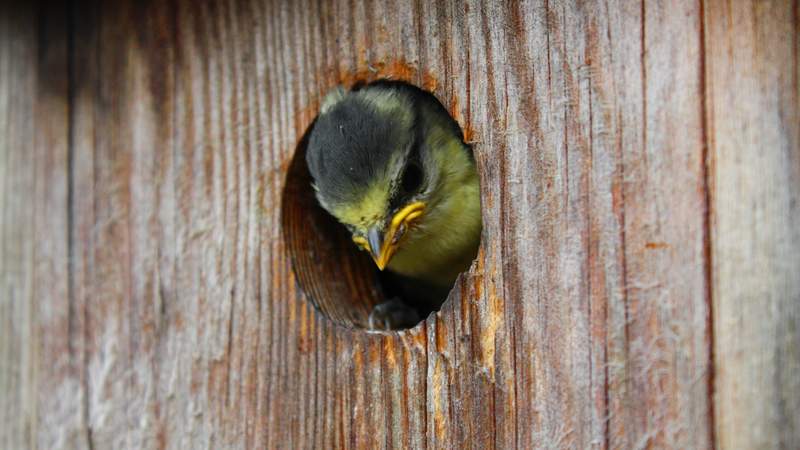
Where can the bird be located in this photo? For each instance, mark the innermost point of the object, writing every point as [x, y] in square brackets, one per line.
[391, 164]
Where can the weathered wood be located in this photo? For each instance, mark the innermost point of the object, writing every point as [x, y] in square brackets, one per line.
[636, 285]
[753, 110]
[39, 379]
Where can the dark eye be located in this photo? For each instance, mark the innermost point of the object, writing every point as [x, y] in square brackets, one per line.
[412, 178]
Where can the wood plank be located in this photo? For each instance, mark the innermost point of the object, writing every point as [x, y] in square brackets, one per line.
[17, 103]
[38, 358]
[602, 131]
[124, 234]
[464, 360]
[667, 304]
[753, 111]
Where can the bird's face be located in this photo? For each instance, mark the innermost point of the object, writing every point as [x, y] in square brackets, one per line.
[386, 233]
[374, 170]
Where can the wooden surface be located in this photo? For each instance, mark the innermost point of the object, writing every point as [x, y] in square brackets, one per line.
[754, 140]
[637, 285]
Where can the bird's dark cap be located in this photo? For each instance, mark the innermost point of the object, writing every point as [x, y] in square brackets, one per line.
[351, 145]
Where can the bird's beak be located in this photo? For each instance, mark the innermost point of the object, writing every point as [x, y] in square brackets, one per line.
[383, 246]
[375, 239]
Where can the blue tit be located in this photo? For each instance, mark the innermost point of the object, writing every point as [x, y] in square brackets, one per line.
[390, 164]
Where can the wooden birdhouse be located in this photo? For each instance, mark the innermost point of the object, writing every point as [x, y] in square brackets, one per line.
[168, 281]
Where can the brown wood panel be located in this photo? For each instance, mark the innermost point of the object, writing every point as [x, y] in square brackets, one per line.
[152, 302]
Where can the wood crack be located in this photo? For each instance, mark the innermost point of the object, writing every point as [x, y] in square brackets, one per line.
[707, 174]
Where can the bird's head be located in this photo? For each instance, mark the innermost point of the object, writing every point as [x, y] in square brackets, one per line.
[379, 159]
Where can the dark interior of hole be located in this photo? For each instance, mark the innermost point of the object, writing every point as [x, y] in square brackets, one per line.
[340, 280]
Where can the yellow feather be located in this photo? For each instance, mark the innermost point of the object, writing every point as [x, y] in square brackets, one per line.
[446, 239]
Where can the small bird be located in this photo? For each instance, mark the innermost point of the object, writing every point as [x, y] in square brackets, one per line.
[390, 164]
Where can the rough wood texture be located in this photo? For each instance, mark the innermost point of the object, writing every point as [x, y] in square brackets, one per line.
[637, 284]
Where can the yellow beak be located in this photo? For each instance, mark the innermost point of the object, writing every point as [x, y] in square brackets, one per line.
[383, 247]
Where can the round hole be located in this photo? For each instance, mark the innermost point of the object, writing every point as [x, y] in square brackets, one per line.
[341, 281]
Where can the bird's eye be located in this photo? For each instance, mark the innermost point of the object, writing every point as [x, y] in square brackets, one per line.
[412, 178]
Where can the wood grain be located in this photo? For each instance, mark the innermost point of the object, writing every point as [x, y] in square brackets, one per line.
[39, 363]
[635, 286]
[754, 148]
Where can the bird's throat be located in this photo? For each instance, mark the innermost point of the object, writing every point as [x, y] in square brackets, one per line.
[446, 240]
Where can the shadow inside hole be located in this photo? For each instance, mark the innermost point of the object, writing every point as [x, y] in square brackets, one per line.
[339, 280]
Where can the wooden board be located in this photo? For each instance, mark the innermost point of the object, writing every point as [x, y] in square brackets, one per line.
[40, 378]
[148, 298]
[754, 140]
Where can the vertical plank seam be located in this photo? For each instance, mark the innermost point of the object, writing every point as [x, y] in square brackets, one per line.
[70, 180]
[86, 385]
[707, 219]
[75, 365]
